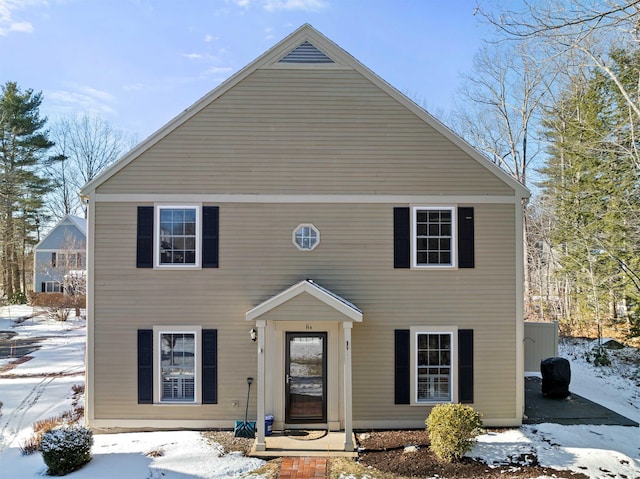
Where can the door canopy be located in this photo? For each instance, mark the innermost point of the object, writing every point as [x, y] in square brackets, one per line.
[300, 294]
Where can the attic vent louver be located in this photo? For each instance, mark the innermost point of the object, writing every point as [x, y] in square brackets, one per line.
[305, 53]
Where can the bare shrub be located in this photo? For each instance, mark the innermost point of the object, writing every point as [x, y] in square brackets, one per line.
[57, 305]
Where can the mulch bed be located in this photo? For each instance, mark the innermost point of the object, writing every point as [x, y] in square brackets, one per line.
[385, 451]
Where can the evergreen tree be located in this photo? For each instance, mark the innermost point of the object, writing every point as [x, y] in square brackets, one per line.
[23, 145]
[591, 181]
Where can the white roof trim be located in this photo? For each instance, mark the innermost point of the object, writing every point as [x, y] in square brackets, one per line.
[269, 59]
[309, 287]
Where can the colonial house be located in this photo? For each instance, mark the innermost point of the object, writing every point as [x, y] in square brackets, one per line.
[306, 225]
[60, 255]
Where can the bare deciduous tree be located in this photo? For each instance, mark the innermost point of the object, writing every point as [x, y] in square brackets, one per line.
[86, 145]
[500, 106]
[581, 33]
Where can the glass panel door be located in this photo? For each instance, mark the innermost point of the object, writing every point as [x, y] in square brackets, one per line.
[306, 381]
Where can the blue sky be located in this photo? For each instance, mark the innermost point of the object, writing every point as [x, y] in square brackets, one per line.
[139, 63]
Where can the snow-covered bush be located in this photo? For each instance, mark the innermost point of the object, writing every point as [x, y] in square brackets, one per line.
[66, 449]
[452, 430]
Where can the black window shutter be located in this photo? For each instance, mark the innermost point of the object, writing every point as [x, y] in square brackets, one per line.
[466, 256]
[402, 366]
[145, 366]
[44, 287]
[53, 260]
[401, 238]
[144, 254]
[210, 218]
[209, 366]
[465, 366]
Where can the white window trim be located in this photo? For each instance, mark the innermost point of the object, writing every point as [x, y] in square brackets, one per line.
[305, 225]
[66, 253]
[453, 385]
[158, 331]
[52, 283]
[156, 236]
[454, 237]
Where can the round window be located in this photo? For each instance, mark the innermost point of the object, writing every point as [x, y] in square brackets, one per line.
[306, 237]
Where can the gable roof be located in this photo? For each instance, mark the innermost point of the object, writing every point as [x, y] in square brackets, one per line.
[307, 287]
[304, 47]
[79, 223]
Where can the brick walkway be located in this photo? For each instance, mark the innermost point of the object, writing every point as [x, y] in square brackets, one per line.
[303, 468]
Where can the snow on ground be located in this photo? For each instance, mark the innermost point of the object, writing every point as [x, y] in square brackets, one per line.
[598, 451]
[27, 395]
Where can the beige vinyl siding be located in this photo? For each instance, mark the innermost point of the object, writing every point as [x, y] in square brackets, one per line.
[305, 131]
[258, 260]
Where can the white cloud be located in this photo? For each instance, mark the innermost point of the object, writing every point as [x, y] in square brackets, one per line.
[133, 87]
[274, 5]
[199, 56]
[192, 56]
[80, 97]
[306, 5]
[215, 70]
[8, 8]
[208, 38]
[268, 33]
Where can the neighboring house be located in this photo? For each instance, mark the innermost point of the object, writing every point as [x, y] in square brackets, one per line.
[375, 257]
[60, 254]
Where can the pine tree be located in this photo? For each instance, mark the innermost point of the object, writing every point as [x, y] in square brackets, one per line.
[591, 181]
[23, 145]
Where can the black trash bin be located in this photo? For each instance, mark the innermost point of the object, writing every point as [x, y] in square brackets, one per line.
[556, 376]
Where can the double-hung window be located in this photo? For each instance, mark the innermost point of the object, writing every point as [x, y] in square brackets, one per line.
[177, 366]
[434, 237]
[177, 236]
[433, 364]
[434, 367]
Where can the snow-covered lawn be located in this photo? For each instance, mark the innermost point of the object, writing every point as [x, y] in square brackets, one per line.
[28, 393]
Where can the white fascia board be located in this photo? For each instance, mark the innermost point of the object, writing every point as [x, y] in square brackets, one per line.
[305, 286]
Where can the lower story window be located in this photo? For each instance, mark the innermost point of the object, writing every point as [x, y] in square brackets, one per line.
[177, 366]
[433, 382]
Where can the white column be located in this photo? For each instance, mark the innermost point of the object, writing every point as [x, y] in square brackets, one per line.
[260, 441]
[348, 425]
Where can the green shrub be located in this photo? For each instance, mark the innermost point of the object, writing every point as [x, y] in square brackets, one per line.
[599, 356]
[17, 298]
[452, 430]
[66, 449]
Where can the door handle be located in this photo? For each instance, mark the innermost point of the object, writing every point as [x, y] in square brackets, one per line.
[288, 378]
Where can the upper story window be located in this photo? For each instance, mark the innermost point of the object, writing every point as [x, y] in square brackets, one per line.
[306, 237]
[177, 236]
[434, 237]
[70, 260]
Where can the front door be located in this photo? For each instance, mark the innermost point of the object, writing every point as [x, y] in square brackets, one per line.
[306, 378]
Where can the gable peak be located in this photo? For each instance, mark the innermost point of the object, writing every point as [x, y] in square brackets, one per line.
[306, 52]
